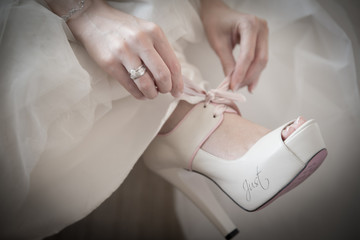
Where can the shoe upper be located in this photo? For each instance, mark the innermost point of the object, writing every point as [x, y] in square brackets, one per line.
[251, 180]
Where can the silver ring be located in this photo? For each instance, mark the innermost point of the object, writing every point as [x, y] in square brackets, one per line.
[136, 73]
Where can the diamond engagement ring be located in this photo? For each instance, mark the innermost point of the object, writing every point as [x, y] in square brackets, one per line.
[136, 73]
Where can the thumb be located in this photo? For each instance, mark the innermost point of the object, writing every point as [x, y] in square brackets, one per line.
[252, 86]
[224, 52]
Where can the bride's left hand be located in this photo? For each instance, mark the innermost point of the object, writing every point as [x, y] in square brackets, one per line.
[225, 28]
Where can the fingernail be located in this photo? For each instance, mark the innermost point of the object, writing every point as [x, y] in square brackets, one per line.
[177, 94]
[300, 120]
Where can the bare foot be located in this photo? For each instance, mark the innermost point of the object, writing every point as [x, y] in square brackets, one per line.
[234, 137]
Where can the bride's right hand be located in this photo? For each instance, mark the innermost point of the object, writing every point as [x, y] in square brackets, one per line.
[119, 42]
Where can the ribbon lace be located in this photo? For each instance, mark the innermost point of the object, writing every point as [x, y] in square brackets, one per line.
[220, 95]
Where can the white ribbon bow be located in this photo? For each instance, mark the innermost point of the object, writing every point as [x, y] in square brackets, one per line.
[220, 95]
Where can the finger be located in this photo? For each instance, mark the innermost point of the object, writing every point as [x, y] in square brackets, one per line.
[260, 61]
[223, 48]
[253, 75]
[113, 65]
[145, 83]
[248, 34]
[158, 69]
[145, 49]
[120, 73]
[168, 56]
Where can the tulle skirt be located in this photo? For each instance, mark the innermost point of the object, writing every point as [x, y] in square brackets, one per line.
[70, 133]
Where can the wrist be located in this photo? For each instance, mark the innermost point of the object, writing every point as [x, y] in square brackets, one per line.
[70, 9]
[80, 24]
[207, 6]
[75, 11]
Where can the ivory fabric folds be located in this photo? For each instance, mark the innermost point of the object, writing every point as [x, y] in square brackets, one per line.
[70, 134]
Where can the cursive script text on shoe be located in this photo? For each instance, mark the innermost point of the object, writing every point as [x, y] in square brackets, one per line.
[257, 182]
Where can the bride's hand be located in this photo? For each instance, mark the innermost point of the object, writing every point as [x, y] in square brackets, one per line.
[225, 28]
[119, 42]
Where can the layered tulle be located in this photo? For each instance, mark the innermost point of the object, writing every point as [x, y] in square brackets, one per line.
[70, 134]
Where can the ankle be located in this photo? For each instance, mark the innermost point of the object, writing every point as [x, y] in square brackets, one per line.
[179, 113]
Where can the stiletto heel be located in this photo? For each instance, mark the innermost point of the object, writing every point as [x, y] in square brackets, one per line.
[200, 194]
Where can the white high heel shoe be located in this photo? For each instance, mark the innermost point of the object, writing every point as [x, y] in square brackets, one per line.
[270, 168]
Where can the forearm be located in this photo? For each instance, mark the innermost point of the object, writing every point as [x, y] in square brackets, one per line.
[210, 3]
[206, 5]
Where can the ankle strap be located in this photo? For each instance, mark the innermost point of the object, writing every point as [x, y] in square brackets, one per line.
[192, 131]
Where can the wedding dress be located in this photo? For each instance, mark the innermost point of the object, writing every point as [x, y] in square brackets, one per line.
[70, 134]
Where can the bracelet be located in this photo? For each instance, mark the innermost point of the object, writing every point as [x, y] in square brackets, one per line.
[73, 11]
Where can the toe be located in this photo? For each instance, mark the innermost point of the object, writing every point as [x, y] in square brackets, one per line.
[287, 132]
[291, 128]
[298, 122]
